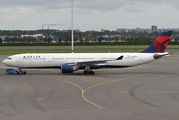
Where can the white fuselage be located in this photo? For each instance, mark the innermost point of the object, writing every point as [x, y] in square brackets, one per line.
[55, 60]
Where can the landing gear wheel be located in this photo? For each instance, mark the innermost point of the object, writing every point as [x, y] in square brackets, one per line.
[86, 72]
[89, 72]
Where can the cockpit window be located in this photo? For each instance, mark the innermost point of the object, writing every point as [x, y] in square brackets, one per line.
[9, 58]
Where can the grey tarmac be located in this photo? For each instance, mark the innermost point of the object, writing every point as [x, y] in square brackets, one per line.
[145, 92]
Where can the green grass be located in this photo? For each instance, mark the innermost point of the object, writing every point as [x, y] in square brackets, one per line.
[17, 51]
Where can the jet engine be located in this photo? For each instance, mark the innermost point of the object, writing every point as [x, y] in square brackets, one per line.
[68, 68]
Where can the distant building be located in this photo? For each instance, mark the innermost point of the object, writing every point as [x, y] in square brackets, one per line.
[176, 29]
[35, 35]
[77, 30]
[154, 28]
[3, 37]
[122, 30]
[105, 36]
[103, 30]
[165, 29]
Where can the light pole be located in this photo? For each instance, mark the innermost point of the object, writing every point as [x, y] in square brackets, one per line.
[72, 26]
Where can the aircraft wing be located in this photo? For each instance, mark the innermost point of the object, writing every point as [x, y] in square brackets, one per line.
[83, 63]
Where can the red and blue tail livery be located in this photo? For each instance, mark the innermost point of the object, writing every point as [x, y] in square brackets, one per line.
[160, 44]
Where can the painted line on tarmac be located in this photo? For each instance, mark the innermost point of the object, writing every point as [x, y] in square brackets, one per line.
[130, 77]
[76, 86]
[84, 90]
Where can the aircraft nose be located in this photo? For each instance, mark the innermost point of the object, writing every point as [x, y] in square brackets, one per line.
[4, 61]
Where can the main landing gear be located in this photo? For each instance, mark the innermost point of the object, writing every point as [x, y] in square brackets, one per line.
[90, 72]
[87, 71]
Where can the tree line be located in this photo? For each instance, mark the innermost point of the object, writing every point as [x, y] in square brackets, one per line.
[76, 39]
[87, 37]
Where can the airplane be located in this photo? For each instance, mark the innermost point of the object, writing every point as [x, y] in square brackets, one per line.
[70, 62]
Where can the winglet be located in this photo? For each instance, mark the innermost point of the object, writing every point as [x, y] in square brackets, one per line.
[160, 44]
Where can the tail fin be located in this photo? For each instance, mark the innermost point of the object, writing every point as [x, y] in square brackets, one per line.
[160, 44]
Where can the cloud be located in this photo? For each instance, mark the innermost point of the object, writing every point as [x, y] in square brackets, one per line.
[89, 14]
[96, 5]
[133, 8]
[14, 13]
[174, 3]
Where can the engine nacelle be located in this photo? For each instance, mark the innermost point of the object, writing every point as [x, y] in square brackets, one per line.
[68, 68]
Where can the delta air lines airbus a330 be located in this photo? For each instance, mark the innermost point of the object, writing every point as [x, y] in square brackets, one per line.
[70, 62]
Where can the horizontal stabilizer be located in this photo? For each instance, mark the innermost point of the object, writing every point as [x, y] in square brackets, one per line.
[157, 56]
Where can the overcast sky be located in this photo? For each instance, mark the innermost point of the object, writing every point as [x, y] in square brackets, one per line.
[88, 14]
